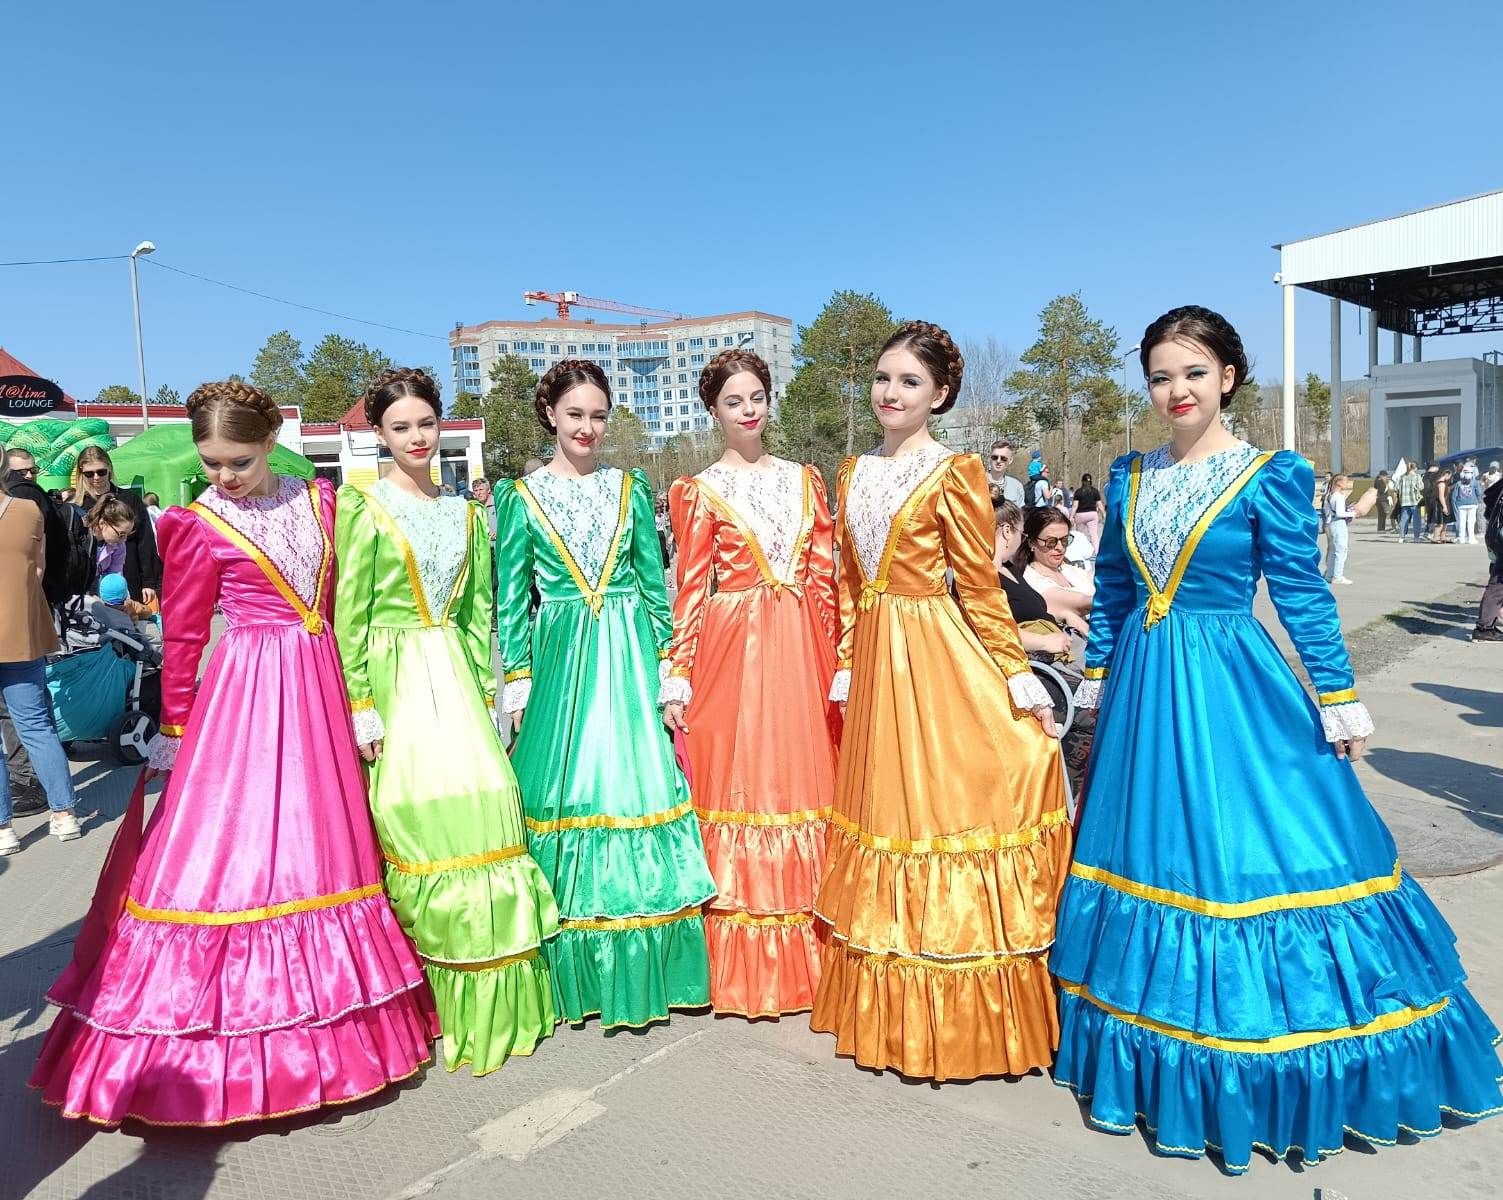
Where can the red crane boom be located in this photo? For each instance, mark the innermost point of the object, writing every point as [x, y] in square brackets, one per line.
[564, 301]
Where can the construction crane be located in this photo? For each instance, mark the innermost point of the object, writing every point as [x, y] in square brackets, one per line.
[567, 300]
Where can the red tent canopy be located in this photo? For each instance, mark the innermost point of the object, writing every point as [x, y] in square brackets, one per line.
[11, 365]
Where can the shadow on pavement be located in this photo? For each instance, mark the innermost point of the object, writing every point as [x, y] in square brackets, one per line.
[1486, 706]
[1473, 789]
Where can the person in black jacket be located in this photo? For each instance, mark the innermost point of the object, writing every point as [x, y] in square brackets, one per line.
[21, 480]
[143, 568]
[1491, 609]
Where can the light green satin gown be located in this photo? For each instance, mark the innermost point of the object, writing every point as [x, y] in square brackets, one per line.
[413, 617]
[608, 813]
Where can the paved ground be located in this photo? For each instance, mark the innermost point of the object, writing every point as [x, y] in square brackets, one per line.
[720, 1107]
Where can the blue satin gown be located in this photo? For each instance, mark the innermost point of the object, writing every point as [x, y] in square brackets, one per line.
[1242, 961]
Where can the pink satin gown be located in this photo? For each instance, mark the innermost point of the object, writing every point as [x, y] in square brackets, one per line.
[257, 969]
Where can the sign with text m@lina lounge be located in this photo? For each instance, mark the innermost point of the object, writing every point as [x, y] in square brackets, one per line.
[28, 396]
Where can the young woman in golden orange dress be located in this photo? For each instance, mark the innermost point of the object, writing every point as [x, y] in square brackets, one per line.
[949, 842]
[753, 656]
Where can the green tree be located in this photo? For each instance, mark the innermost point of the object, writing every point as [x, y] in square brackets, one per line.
[626, 439]
[117, 393]
[278, 369]
[1069, 369]
[1243, 408]
[338, 372]
[512, 432]
[811, 422]
[167, 395]
[1318, 401]
[841, 347]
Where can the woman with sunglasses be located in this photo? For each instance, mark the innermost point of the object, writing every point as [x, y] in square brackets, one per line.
[1067, 590]
[143, 566]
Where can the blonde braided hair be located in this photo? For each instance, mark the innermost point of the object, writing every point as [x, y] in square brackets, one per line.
[233, 409]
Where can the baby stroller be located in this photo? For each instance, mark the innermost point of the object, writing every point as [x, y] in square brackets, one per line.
[105, 686]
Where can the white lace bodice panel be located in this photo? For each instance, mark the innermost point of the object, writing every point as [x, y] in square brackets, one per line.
[1172, 497]
[877, 490]
[437, 530]
[584, 512]
[770, 503]
[284, 526]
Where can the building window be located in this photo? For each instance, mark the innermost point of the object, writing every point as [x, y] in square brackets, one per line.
[683, 424]
[683, 362]
[501, 348]
[697, 359]
[573, 350]
[696, 343]
[680, 346]
[715, 341]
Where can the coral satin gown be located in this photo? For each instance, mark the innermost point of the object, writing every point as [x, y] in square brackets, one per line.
[257, 970]
[949, 841]
[754, 629]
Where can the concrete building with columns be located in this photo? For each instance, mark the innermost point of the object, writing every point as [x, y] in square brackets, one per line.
[1421, 275]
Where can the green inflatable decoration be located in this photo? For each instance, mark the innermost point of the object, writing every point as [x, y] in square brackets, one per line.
[57, 444]
[163, 460]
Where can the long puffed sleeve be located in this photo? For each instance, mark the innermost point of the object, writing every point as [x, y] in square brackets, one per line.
[819, 571]
[647, 564]
[355, 545]
[1116, 593]
[1288, 556]
[514, 596]
[967, 528]
[693, 524]
[847, 587]
[478, 605]
[190, 587]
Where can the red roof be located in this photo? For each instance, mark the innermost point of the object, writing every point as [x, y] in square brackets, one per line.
[11, 365]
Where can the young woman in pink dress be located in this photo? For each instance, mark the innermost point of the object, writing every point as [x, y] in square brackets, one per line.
[257, 969]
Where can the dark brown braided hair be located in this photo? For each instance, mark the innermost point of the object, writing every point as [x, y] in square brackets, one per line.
[936, 349]
[234, 410]
[396, 383]
[1194, 323]
[728, 363]
[559, 378]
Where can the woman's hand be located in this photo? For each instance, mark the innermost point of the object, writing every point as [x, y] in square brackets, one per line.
[1057, 642]
[148, 596]
[1045, 716]
[370, 751]
[673, 717]
[1352, 748]
[516, 721]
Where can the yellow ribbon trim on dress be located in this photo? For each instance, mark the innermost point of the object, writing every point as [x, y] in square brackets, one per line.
[611, 924]
[176, 731]
[606, 821]
[410, 564]
[764, 567]
[746, 918]
[311, 618]
[1243, 908]
[982, 962]
[722, 816]
[1274, 1045]
[363, 705]
[594, 596]
[1159, 601]
[494, 964]
[1345, 696]
[949, 845]
[871, 589]
[454, 864]
[1095, 673]
[177, 916]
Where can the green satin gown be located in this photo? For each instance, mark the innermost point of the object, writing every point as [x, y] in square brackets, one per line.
[413, 617]
[608, 812]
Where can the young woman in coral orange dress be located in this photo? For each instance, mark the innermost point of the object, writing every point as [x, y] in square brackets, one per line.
[949, 842]
[753, 656]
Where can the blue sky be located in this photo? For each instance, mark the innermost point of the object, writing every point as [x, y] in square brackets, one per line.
[420, 165]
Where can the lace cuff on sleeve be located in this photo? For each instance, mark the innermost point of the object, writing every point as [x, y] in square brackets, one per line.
[1088, 693]
[675, 690]
[1343, 722]
[161, 752]
[1027, 692]
[368, 727]
[840, 686]
[514, 695]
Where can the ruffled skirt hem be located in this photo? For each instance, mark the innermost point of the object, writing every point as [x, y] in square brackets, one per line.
[761, 966]
[631, 972]
[493, 1012]
[769, 868]
[474, 914]
[1301, 1102]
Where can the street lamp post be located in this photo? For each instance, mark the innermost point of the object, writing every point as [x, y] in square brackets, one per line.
[135, 296]
[1126, 402]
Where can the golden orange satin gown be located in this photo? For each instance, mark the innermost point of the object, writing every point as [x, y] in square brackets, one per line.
[949, 842]
[759, 652]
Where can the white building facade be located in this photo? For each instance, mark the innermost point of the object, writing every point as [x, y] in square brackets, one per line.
[653, 367]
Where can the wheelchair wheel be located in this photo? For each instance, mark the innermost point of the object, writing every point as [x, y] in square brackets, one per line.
[129, 733]
[1061, 695]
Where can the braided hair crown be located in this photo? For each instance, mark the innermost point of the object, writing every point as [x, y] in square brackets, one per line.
[719, 370]
[937, 350]
[394, 384]
[1205, 327]
[561, 377]
[233, 409]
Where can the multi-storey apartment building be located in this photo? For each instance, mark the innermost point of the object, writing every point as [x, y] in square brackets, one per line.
[653, 366]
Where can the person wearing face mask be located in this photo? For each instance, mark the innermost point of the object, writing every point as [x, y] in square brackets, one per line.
[755, 623]
[142, 567]
[609, 817]
[1242, 960]
[240, 961]
[949, 839]
[413, 617]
